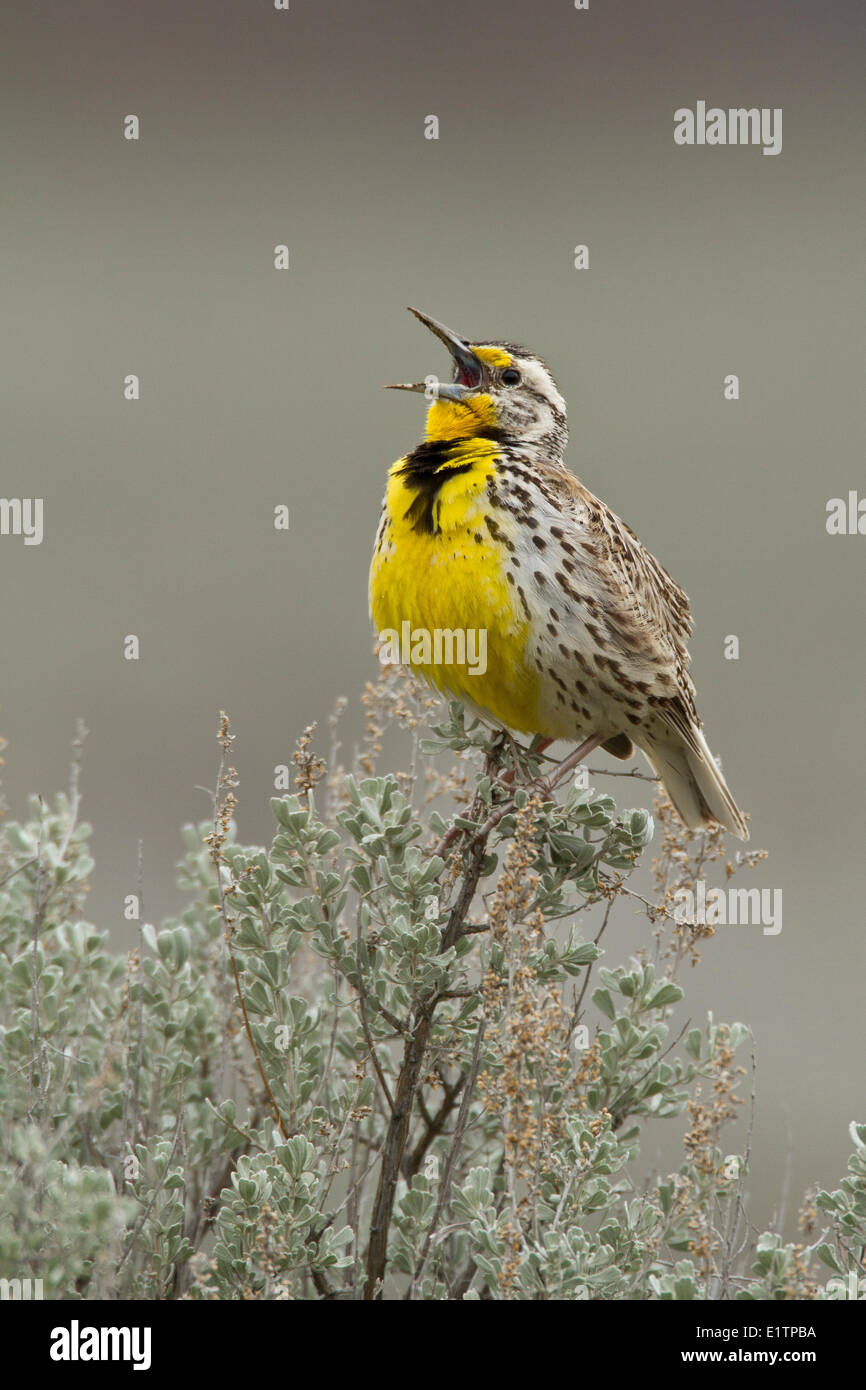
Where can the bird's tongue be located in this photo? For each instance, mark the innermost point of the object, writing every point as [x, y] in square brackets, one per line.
[467, 376]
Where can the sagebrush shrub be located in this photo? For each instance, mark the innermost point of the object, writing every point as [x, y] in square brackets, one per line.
[381, 1058]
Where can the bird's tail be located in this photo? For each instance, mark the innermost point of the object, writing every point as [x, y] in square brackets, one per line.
[693, 782]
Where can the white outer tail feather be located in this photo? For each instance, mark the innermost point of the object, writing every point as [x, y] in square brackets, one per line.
[694, 783]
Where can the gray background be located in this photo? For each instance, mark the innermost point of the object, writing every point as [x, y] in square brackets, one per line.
[258, 388]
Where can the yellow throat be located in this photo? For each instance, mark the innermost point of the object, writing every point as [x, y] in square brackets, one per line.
[440, 566]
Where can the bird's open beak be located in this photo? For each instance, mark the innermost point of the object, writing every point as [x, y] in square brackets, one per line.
[468, 368]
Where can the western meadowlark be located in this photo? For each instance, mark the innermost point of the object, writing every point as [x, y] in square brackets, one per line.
[484, 528]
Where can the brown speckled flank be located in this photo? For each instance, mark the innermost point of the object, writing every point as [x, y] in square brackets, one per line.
[610, 635]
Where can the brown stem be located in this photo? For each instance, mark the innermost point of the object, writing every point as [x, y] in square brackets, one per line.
[276, 1109]
[434, 1125]
[451, 1161]
[544, 785]
[415, 1049]
[224, 804]
[362, 1008]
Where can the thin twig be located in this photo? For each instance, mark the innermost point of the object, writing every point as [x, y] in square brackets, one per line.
[612, 772]
[413, 1057]
[575, 1018]
[223, 806]
[451, 1161]
[544, 786]
[25, 865]
[133, 1235]
[362, 1009]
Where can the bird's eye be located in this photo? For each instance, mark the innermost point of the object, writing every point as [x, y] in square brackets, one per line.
[510, 377]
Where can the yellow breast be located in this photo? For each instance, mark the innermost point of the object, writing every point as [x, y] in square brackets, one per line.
[439, 592]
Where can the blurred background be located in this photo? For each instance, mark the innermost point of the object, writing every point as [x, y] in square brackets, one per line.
[259, 387]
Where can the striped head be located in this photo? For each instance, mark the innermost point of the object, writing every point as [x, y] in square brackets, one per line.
[498, 391]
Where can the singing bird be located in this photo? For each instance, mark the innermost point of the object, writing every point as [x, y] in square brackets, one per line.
[484, 529]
